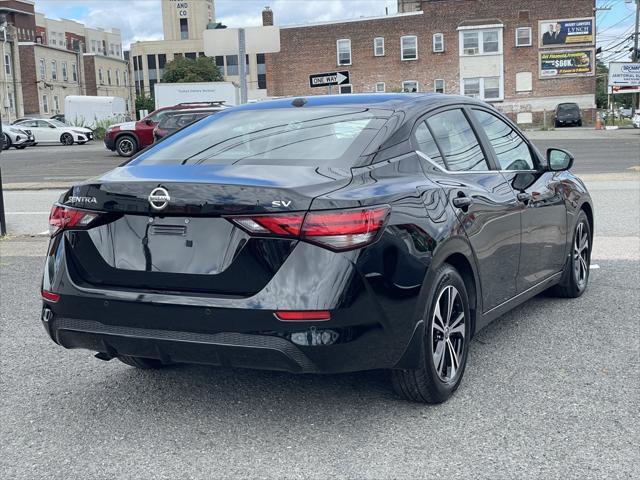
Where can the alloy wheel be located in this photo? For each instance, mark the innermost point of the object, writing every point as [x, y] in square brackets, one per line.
[448, 334]
[581, 255]
[126, 146]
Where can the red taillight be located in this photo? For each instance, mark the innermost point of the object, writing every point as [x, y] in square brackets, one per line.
[334, 229]
[62, 218]
[50, 296]
[303, 315]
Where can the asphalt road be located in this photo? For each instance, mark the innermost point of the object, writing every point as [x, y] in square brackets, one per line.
[57, 165]
[551, 389]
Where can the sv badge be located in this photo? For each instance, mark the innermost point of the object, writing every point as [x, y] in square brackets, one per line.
[281, 203]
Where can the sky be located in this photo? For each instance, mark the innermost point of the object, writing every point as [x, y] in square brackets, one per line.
[141, 19]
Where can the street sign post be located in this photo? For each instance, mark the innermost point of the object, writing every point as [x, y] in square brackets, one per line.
[329, 79]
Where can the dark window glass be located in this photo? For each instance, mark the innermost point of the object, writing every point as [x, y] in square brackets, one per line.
[151, 62]
[177, 55]
[260, 57]
[262, 81]
[191, 55]
[184, 29]
[288, 136]
[511, 150]
[427, 145]
[139, 62]
[152, 82]
[220, 62]
[162, 60]
[457, 141]
[201, 54]
[232, 65]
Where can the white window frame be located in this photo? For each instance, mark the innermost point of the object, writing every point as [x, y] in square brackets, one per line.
[384, 87]
[54, 70]
[65, 71]
[402, 48]
[435, 85]
[441, 37]
[74, 72]
[530, 37]
[56, 103]
[481, 94]
[340, 87]
[338, 52]
[108, 76]
[101, 76]
[375, 47]
[45, 103]
[480, 32]
[7, 64]
[43, 69]
[411, 81]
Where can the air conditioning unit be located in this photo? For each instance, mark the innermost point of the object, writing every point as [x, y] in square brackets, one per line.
[470, 51]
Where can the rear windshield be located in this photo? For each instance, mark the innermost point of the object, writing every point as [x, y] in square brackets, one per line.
[181, 120]
[294, 136]
[568, 107]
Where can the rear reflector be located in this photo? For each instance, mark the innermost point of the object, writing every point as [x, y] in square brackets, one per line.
[50, 296]
[335, 229]
[303, 315]
[63, 217]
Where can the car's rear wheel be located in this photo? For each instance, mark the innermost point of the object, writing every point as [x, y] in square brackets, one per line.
[142, 363]
[446, 342]
[126, 146]
[579, 123]
[7, 142]
[66, 139]
[576, 274]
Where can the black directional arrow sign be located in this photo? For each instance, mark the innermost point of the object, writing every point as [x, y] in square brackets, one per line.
[328, 79]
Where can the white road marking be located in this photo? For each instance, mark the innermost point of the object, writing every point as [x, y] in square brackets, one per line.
[595, 266]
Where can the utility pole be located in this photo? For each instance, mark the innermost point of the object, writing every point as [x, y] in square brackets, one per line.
[636, 56]
[242, 63]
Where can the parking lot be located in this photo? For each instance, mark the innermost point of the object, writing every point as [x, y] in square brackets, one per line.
[551, 389]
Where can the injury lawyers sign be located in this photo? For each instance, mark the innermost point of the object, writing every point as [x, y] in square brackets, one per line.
[624, 77]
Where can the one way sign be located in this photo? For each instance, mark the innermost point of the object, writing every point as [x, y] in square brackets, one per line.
[328, 79]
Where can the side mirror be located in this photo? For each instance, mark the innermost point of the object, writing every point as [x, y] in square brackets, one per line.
[148, 122]
[52, 126]
[559, 160]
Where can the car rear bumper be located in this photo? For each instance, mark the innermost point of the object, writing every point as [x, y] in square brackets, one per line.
[110, 143]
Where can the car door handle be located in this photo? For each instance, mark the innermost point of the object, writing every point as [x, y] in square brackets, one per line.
[462, 203]
[524, 197]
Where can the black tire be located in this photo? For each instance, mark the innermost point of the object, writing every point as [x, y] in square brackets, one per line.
[126, 146]
[142, 363]
[557, 124]
[81, 143]
[6, 145]
[575, 277]
[66, 139]
[426, 384]
[579, 123]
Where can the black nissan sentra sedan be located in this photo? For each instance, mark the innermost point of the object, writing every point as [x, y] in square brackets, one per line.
[322, 234]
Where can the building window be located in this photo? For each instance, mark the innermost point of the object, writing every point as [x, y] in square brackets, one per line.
[523, 37]
[378, 46]
[74, 72]
[232, 65]
[125, 78]
[262, 71]
[93, 46]
[485, 88]
[409, 47]
[7, 64]
[100, 76]
[117, 77]
[191, 55]
[345, 89]
[381, 87]
[45, 103]
[56, 103]
[65, 73]
[438, 42]
[54, 70]
[410, 86]
[344, 51]
[43, 69]
[184, 29]
[109, 76]
[220, 63]
[438, 85]
[162, 60]
[12, 105]
[481, 42]
[151, 62]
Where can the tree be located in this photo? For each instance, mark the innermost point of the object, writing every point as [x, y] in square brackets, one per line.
[144, 103]
[182, 70]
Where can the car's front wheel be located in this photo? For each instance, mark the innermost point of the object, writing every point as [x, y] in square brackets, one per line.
[576, 273]
[66, 139]
[126, 146]
[446, 342]
[7, 142]
[142, 363]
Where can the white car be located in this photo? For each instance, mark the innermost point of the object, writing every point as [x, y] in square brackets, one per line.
[13, 136]
[636, 120]
[54, 131]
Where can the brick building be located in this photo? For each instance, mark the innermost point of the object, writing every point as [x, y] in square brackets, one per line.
[47, 60]
[523, 56]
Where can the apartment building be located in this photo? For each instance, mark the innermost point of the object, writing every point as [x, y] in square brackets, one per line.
[48, 59]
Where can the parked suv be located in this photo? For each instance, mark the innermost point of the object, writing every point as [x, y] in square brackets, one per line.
[14, 136]
[130, 137]
[173, 121]
[568, 114]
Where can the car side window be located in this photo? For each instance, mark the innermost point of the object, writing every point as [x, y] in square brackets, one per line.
[511, 150]
[427, 145]
[43, 124]
[457, 141]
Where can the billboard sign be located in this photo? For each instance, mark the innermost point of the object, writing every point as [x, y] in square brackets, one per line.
[566, 33]
[567, 63]
[624, 77]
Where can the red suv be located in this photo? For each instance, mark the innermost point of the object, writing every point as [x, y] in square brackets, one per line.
[130, 137]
